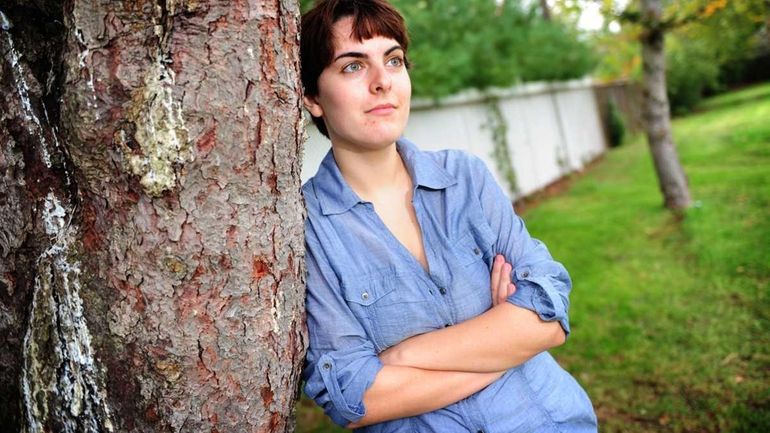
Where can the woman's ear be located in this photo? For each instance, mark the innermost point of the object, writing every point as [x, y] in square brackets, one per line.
[312, 105]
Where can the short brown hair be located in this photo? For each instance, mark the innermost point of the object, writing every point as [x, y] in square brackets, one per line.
[370, 18]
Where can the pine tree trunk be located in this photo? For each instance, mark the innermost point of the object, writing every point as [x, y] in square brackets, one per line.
[150, 216]
[671, 177]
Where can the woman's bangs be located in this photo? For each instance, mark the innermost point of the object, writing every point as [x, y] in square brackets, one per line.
[367, 26]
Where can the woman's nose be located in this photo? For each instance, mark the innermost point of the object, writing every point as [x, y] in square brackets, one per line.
[380, 80]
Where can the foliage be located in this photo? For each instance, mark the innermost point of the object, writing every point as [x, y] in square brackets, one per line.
[479, 44]
[724, 37]
[691, 71]
[729, 28]
[498, 127]
[457, 45]
[619, 55]
[305, 5]
[710, 44]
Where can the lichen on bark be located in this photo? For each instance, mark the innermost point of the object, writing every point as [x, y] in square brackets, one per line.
[61, 379]
[159, 131]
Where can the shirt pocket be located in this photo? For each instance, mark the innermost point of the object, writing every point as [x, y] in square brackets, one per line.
[391, 308]
[468, 250]
[470, 277]
[475, 241]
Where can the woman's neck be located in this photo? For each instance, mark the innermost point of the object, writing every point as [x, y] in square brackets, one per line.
[371, 173]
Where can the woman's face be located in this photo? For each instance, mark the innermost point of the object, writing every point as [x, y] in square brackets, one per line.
[363, 95]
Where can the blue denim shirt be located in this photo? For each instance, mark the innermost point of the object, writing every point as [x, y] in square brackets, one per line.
[366, 292]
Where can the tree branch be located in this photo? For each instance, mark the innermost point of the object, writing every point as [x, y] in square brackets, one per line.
[670, 23]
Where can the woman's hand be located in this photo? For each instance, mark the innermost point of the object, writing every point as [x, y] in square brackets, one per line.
[500, 280]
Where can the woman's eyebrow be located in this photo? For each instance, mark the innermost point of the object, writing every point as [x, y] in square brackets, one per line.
[393, 48]
[353, 54]
[359, 55]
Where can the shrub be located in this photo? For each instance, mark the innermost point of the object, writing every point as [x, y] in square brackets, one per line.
[615, 125]
[691, 71]
[477, 44]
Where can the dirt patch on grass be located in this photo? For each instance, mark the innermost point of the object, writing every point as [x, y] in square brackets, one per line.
[523, 204]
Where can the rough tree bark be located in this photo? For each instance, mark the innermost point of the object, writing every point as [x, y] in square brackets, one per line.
[671, 176]
[150, 216]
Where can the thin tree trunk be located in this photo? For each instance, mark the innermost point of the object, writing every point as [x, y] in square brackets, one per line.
[546, 10]
[671, 177]
[150, 216]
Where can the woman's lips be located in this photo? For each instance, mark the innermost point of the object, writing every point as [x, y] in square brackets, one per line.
[382, 109]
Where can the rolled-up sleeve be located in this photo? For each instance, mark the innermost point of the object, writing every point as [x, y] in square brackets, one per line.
[341, 361]
[542, 284]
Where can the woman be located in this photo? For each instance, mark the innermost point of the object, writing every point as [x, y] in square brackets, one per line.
[430, 308]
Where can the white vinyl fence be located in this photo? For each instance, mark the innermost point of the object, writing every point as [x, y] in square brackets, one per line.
[529, 135]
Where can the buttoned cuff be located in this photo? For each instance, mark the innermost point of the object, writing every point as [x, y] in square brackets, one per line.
[544, 291]
[346, 385]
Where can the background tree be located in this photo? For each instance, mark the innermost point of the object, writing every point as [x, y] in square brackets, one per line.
[671, 177]
[150, 216]
[545, 9]
[655, 19]
[721, 44]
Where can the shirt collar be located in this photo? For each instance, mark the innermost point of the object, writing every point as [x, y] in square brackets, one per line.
[422, 168]
[335, 195]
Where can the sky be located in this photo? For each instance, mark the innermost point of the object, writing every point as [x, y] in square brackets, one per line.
[591, 19]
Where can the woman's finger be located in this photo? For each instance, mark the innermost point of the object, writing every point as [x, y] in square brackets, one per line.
[494, 278]
[511, 289]
[505, 279]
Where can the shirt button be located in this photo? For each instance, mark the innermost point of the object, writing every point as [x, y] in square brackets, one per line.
[476, 251]
[327, 366]
[442, 291]
[525, 274]
[365, 296]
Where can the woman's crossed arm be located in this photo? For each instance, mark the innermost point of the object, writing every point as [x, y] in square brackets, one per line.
[436, 369]
[503, 337]
[399, 392]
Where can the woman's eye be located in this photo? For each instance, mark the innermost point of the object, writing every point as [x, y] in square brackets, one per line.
[395, 61]
[353, 67]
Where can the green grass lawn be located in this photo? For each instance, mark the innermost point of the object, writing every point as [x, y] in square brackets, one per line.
[670, 314]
